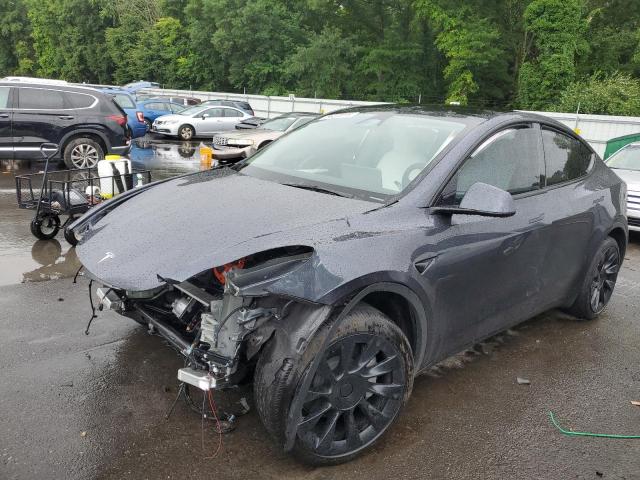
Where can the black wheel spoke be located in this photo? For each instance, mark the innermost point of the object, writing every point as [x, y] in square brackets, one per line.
[325, 439]
[346, 355]
[385, 366]
[388, 390]
[369, 353]
[595, 298]
[352, 434]
[313, 418]
[376, 417]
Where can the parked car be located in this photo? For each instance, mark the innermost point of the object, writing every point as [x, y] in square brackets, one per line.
[244, 106]
[135, 118]
[626, 163]
[357, 251]
[185, 101]
[152, 109]
[198, 121]
[85, 123]
[242, 144]
[133, 87]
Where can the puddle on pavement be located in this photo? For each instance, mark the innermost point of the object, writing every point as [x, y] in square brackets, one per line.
[23, 258]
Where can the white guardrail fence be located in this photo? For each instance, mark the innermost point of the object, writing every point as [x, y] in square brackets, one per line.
[595, 129]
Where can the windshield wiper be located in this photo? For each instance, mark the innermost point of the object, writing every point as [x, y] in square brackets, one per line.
[315, 188]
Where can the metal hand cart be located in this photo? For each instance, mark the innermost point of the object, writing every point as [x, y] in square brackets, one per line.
[67, 192]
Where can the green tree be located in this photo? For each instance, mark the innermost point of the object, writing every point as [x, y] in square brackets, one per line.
[469, 43]
[324, 66]
[68, 39]
[613, 94]
[15, 54]
[554, 36]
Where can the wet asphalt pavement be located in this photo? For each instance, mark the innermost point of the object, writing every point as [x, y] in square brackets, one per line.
[84, 407]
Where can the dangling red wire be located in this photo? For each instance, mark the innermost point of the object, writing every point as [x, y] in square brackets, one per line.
[212, 405]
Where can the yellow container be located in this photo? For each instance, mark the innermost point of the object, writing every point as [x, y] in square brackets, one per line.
[206, 156]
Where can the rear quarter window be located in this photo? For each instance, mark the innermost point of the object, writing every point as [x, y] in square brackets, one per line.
[79, 100]
[566, 158]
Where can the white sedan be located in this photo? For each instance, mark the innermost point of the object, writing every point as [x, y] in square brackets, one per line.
[199, 121]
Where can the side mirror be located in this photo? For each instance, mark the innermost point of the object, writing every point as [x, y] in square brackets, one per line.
[483, 200]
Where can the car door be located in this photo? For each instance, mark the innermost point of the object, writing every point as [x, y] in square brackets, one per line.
[156, 109]
[210, 121]
[41, 116]
[232, 116]
[572, 210]
[6, 137]
[486, 275]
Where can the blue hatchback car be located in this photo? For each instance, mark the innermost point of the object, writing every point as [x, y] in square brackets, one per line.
[135, 118]
[156, 107]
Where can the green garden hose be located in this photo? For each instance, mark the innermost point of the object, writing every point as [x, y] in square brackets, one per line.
[586, 434]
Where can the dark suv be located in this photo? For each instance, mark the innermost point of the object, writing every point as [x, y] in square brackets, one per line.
[87, 124]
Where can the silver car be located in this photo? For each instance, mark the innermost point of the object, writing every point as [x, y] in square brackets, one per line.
[199, 121]
[244, 143]
[626, 163]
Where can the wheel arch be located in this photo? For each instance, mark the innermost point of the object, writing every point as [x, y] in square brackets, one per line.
[620, 235]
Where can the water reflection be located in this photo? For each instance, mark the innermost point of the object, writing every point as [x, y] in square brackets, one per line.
[53, 263]
[165, 158]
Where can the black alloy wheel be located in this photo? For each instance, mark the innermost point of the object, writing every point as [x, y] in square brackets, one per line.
[604, 279]
[599, 281]
[355, 394]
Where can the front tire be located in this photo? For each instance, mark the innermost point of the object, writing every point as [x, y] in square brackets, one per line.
[600, 280]
[362, 382]
[186, 132]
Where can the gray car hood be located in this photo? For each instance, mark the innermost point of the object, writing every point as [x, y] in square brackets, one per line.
[184, 226]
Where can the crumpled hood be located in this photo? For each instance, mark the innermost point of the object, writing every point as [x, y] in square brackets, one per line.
[181, 227]
[257, 135]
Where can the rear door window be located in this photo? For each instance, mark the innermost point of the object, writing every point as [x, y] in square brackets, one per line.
[567, 159]
[230, 112]
[40, 99]
[214, 112]
[4, 96]
[511, 160]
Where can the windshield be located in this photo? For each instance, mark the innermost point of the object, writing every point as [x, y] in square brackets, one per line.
[626, 159]
[279, 124]
[191, 111]
[375, 152]
[124, 100]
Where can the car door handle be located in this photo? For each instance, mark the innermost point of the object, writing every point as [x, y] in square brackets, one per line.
[4, 115]
[598, 200]
[537, 219]
[66, 117]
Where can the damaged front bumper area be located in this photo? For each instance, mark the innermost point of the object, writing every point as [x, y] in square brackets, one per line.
[219, 319]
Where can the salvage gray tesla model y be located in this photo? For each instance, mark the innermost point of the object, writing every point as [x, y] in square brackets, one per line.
[339, 262]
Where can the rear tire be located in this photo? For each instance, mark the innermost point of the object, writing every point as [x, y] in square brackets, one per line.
[83, 152]
[45, 227]
[599, 282]
[364, 379]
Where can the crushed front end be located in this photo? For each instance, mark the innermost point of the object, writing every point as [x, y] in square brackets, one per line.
[219, 319]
